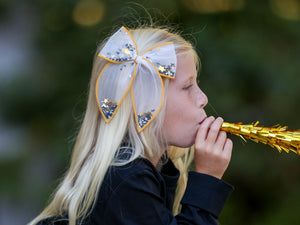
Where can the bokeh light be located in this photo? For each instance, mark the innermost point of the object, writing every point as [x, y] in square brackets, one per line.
[287, 9]
[88, 12]
[214, 6]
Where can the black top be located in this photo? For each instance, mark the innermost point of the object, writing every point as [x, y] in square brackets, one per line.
[138, 194]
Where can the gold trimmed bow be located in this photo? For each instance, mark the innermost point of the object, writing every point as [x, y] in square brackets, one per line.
[127, 70]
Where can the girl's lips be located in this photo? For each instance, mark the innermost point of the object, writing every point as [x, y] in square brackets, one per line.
[202, 120]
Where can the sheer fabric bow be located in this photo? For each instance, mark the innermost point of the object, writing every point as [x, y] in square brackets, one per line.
[127, 70]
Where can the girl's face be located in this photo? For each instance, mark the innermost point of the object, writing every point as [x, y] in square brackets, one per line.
[184, 104]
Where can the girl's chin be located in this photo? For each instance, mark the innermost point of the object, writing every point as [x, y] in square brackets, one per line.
[185, 141]
[187, 144]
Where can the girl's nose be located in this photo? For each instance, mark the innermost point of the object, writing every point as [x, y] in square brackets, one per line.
[202, 99]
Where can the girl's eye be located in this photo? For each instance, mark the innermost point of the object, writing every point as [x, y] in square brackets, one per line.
[187, 87]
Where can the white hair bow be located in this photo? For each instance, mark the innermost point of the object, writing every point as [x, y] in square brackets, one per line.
[126, 69]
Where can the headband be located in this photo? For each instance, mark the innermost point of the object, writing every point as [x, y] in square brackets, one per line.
[127, 69]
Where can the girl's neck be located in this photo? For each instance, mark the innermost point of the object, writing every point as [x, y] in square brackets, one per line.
[159, 161]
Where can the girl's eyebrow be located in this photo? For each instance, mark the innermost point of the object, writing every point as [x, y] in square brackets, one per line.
[190, 78]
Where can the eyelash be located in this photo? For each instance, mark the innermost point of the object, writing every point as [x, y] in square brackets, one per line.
[187, 87]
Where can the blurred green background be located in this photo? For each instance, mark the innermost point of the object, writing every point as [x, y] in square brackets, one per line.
[249, 52]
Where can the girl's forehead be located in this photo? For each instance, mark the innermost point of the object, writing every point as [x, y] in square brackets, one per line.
[186, 68]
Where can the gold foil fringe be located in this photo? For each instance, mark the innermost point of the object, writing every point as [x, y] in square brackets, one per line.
[277, 136]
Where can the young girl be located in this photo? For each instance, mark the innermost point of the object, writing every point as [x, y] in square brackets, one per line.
[143, 99]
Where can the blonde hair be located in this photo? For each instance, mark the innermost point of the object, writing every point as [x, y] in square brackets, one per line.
[98, 143]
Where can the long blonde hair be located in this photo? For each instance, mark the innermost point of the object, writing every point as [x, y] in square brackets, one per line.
[98, 143]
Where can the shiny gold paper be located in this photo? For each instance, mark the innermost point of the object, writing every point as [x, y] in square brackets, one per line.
[277, 136]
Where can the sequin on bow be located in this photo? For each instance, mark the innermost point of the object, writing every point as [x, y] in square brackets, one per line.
[108, 107]
[168, 70]
[125, 53]
[144, 118]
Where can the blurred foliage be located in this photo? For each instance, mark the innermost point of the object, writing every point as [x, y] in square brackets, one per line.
[249, 52]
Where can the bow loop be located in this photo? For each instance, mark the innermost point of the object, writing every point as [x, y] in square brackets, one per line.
[120, 47]
[163, 58]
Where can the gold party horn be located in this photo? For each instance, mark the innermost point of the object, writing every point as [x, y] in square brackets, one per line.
[277, 136]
